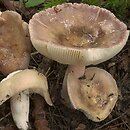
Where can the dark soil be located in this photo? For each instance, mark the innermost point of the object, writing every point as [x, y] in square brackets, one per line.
[60, 117]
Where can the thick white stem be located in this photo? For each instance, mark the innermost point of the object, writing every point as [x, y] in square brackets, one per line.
[20, 109]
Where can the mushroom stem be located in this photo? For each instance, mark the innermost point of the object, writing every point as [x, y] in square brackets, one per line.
[29, 79]
[20, 109]
[78, 70]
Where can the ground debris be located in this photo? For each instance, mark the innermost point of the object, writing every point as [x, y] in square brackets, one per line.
[39, 114]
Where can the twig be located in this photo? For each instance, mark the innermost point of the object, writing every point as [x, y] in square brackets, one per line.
[5, 116]
[127, 125]
[34, 53]
[34, 60]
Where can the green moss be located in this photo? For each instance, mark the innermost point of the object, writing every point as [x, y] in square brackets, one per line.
[92, 2]
[32, 3]
[50, 3]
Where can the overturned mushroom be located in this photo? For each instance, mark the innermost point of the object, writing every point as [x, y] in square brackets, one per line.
[21, 80]
[95, 93]
[15, 48]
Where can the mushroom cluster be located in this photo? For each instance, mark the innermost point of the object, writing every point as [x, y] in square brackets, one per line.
[81, 35]
[73, 34]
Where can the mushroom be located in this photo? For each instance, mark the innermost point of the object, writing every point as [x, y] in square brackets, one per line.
[15, 48]
[95, 93]
[77, 35]
[25, 79]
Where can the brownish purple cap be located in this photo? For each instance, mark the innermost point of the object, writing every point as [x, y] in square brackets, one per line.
[15, 45]
[77, 34]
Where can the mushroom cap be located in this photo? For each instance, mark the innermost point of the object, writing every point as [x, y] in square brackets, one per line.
[95, 94]
[77, 34]
[15, 44]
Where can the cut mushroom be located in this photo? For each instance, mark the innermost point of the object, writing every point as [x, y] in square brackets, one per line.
[95, 93]
[21, 80]
[77, 34]
[15, 48]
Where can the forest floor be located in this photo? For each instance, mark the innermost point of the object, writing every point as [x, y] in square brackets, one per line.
[60, 117]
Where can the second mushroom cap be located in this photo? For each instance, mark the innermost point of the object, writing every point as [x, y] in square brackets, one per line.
[15, 44]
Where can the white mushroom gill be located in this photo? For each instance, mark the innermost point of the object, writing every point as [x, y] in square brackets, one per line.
[22, 80]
